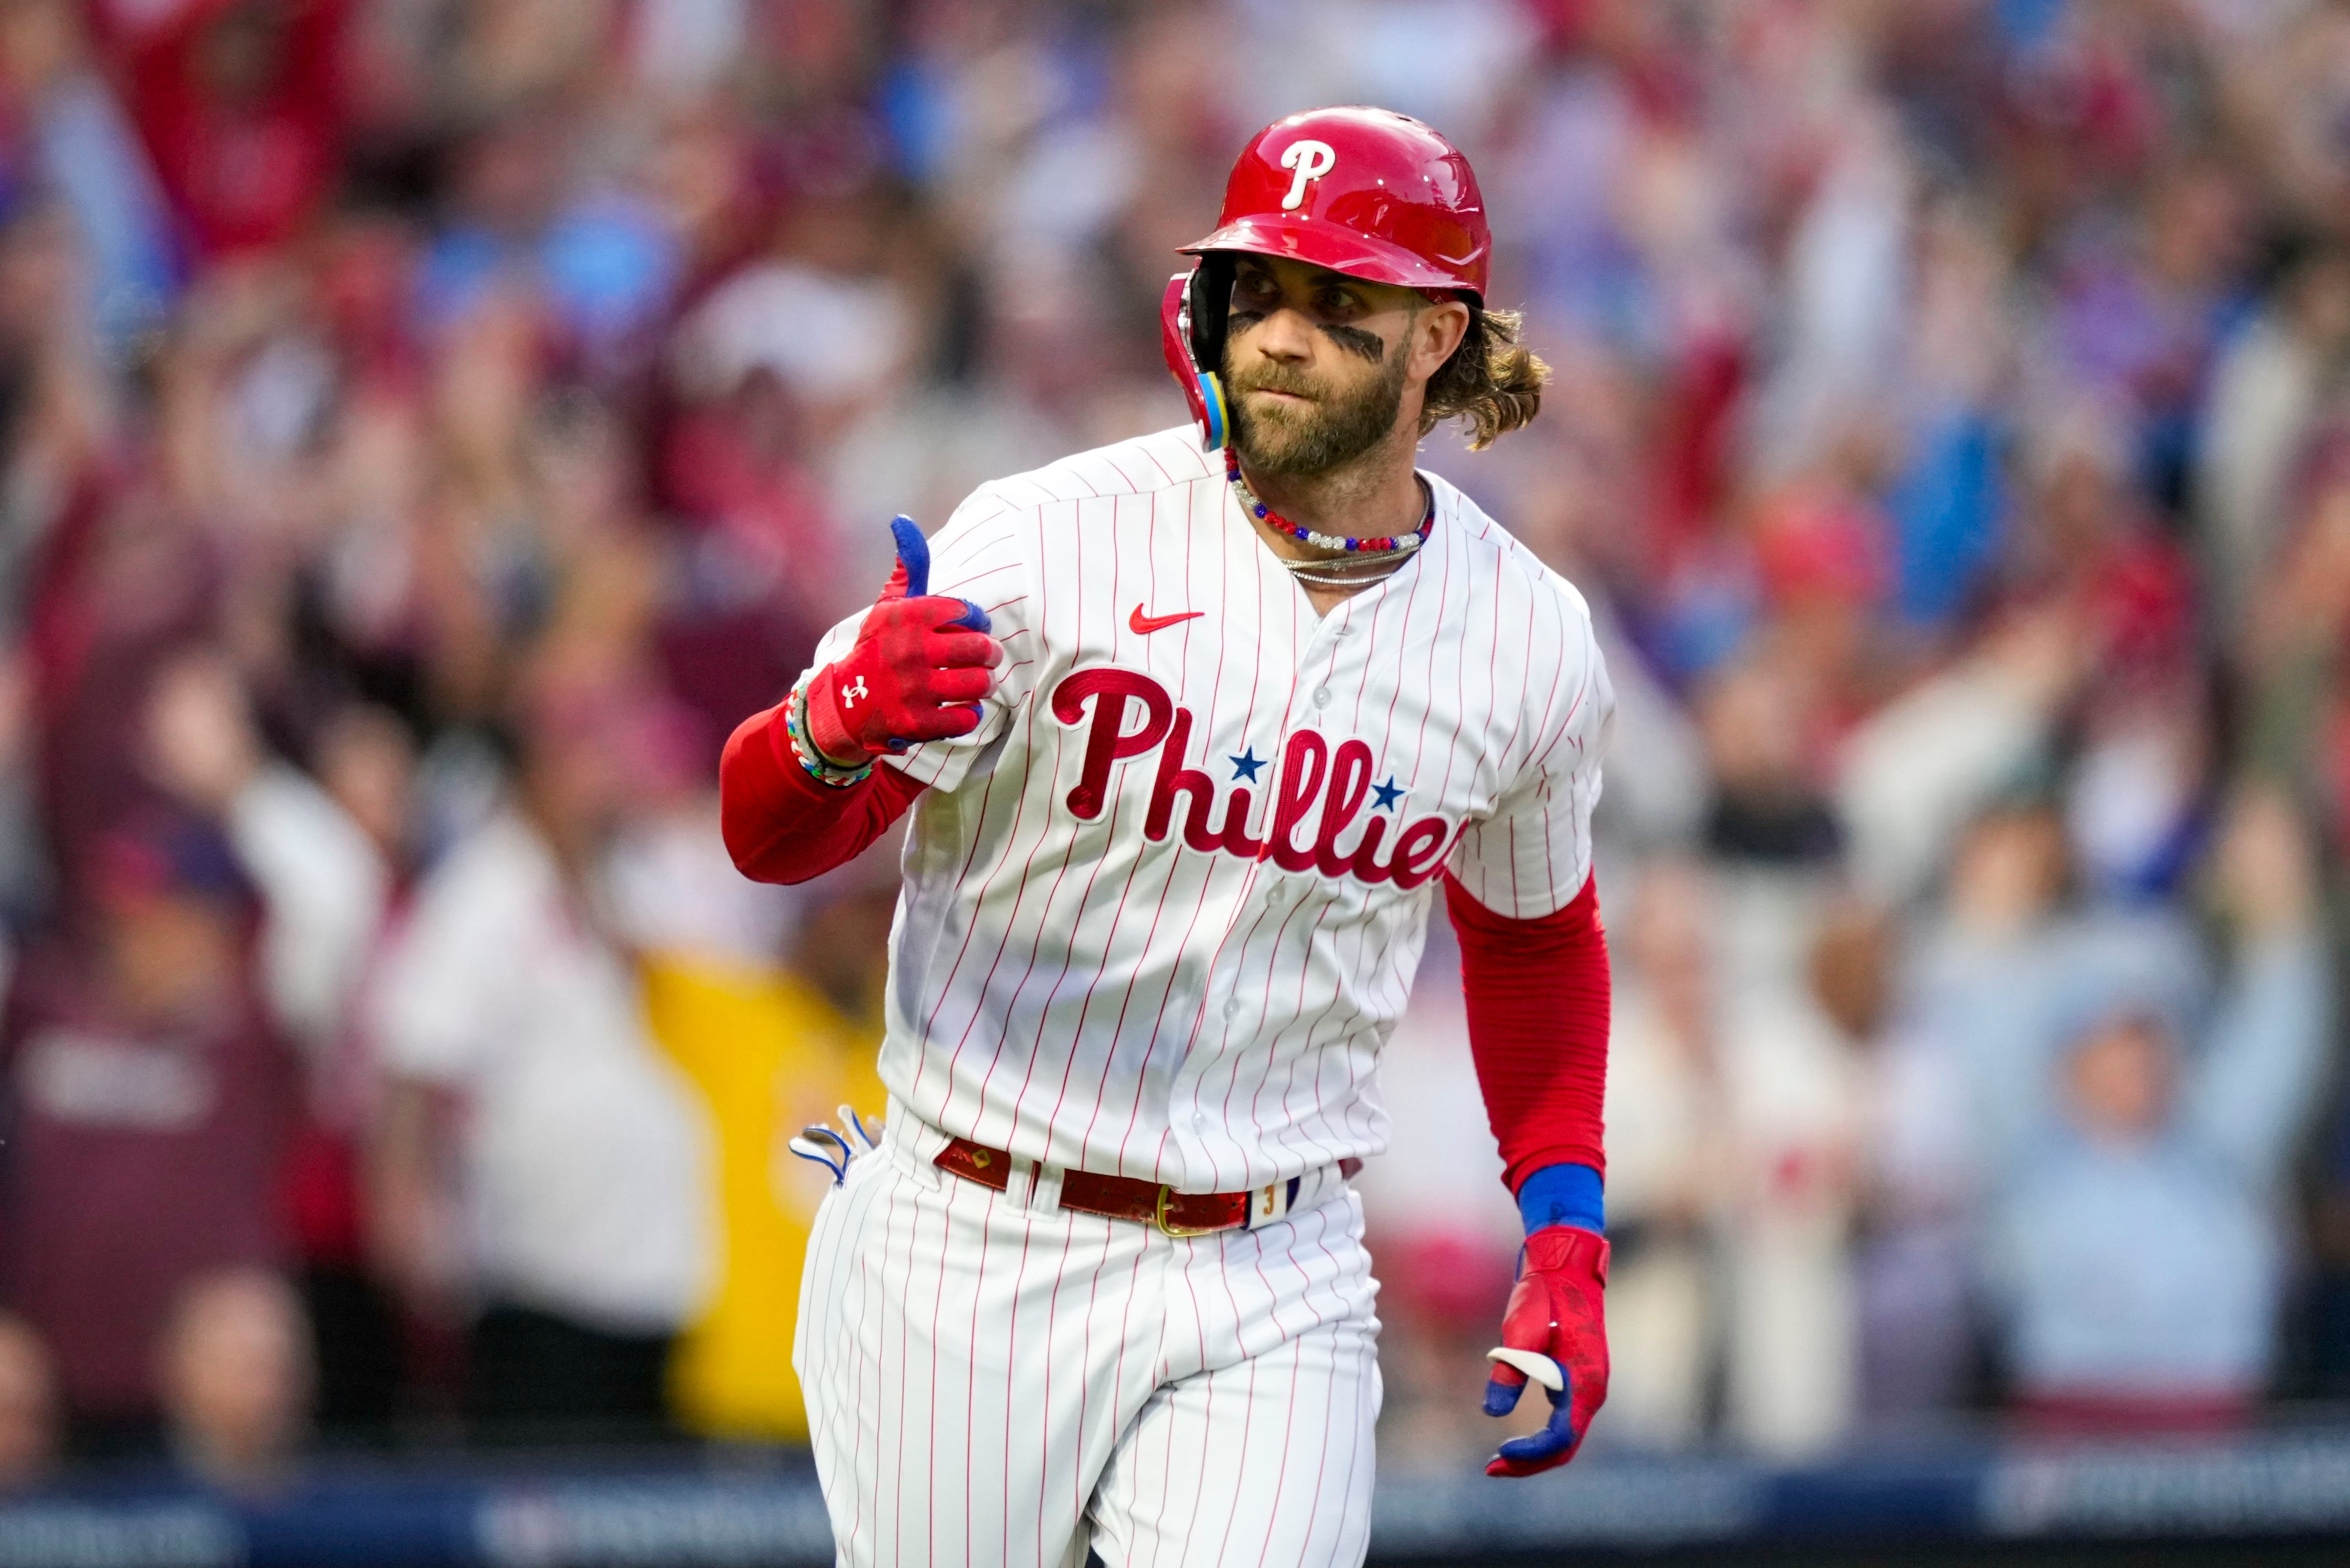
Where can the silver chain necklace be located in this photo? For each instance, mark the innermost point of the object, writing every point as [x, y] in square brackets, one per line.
[1354, 569]
[1350, 572]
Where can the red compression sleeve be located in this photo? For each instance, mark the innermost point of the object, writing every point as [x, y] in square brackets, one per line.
[1538, 996]
[780, 825]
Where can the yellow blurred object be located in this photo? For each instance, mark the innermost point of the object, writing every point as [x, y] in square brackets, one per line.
[771, 1054]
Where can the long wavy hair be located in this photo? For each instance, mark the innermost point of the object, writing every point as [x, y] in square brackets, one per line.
[1493, 381]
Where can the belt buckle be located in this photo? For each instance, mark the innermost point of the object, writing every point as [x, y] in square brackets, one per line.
[1168, 1227]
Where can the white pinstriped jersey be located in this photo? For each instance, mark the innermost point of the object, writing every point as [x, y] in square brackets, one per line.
[1163, 907]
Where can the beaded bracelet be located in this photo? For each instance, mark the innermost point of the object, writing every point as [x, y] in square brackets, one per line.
[804, 748]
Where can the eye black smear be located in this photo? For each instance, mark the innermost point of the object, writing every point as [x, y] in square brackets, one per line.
[1354, 340]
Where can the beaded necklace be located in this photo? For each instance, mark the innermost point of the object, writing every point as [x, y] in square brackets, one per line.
[1361, 553]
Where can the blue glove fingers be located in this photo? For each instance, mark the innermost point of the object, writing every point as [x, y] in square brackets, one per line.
[1501, 1398]
[1553, 1441]
[913, 554]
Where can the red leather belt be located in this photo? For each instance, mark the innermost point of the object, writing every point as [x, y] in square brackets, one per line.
[1112, 1197]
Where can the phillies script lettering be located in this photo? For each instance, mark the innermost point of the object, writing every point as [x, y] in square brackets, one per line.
[1312, 773]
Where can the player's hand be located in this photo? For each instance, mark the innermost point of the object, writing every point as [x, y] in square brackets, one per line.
[918, 669]
[1554, 1331]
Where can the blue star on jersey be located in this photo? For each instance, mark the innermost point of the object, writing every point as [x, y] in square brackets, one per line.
[1245, 766]
[1387, 793]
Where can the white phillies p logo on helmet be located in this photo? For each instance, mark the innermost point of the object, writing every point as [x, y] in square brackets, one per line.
[1312, 160]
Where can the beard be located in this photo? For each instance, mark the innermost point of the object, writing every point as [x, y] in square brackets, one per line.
[1305, 442]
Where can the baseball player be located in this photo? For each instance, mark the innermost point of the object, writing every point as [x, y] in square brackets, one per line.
[1192, 736]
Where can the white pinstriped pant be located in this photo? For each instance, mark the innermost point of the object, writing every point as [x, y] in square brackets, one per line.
[994, 1380]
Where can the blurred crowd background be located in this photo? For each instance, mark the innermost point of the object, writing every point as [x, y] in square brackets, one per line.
[427, 426]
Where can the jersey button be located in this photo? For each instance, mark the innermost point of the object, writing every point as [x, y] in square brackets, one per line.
[1232, 1008]
[1321, 696]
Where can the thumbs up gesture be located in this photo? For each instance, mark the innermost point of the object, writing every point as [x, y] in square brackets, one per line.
[920, 666]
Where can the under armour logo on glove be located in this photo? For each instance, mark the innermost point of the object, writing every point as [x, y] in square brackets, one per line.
[1555, 1333]
[917, 673]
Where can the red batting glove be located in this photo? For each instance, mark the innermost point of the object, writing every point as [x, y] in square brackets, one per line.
[1554, 1330]
[917, 673]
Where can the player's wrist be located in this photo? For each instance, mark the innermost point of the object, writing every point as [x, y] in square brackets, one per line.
[828, 728]
[1568, 1248]
[814, 758]
[1563, 1194]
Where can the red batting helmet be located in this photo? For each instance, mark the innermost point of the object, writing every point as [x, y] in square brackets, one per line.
[1365, 192]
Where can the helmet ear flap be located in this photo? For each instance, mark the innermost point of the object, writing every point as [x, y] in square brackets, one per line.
[1192, 320]
[1207, 304]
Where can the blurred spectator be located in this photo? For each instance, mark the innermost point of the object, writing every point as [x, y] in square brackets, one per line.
[1764, 721]
[525, 1082]
[154, 1088]
[2268, 390]
[1919, 771]
[366, 761]
[773, 1051]
[1998, 981]
[1791, 1091]
[1666, 1182]
[324, 874]
[522, 219]
[236, 1375]
[152, 1099]
[30, 1418]
[87, 150]
[1446, 1254]
[2140, 1262]
[241, 108]
[1963, 1072]
[323, 880]
[1925, 1176]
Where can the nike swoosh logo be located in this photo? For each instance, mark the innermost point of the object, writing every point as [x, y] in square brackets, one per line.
[1144, 624]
